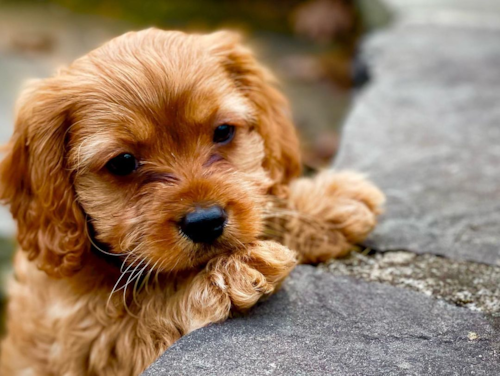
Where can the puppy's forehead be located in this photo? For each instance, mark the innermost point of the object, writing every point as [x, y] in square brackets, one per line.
[192, 111]
[140, 90]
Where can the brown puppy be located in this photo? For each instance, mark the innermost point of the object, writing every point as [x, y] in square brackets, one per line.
[142, 178]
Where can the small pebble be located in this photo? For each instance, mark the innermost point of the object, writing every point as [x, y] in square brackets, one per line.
[472, 336]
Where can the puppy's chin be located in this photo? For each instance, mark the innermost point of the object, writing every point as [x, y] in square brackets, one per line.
[195, 256]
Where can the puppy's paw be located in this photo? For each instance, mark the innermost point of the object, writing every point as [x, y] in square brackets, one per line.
[258, 271]
[336, 210]
[350, 203]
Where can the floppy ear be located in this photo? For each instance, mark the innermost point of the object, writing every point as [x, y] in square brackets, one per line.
[274, 116]
[35, 183]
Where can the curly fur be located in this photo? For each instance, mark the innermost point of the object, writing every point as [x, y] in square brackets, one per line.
[104, 281]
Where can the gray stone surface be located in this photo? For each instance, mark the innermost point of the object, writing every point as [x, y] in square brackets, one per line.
[462, 283]
[460, 13]
[320, 324]
[428, 132]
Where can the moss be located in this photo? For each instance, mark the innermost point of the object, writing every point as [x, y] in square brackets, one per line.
[7, 247]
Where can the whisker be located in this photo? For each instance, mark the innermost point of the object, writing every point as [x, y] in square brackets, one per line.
[124, 295]
[137, 280]
[146, 279]
[135, 277]
[131, 278]
[129, 253]
[117, 283]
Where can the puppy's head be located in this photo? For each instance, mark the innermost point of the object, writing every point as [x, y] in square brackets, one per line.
[165, 143]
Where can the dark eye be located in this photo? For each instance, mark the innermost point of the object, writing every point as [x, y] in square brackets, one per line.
[223, 134]
[122, 165]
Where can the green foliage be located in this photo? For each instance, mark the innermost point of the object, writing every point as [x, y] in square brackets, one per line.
[201, 14]
[7, 247]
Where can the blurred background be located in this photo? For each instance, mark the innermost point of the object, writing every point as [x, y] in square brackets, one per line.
[310, 45]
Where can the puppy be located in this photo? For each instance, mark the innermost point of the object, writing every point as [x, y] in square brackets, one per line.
[152, 182]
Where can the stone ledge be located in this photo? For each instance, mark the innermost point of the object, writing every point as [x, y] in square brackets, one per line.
[321, 324]
[427, 132]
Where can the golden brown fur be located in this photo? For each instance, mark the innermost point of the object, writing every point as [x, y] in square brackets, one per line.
[79, 309]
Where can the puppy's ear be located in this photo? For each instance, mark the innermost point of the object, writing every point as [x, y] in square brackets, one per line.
[36, 184]
[274, 115]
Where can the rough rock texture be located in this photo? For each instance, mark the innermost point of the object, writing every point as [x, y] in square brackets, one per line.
[427, 131]
[463, 283]
[321, 324]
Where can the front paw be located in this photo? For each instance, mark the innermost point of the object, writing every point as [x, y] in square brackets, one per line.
[257, 271]
[357, 201]
[333, 211]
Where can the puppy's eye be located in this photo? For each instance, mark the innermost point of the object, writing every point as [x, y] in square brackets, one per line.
[223, 134]
[122, 165]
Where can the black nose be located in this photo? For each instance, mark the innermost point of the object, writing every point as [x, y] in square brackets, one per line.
[204, 225]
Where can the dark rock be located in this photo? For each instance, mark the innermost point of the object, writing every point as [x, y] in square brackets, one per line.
[360, 72]
[320, 324]
[427, 132]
